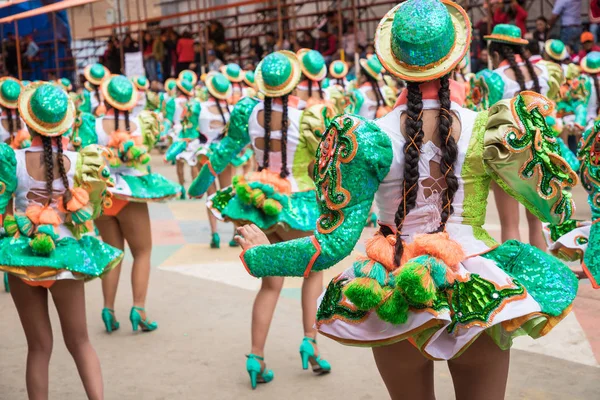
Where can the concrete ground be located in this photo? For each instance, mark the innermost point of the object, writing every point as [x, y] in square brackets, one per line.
[202, 299]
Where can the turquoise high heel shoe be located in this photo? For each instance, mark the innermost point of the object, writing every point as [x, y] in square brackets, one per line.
[307, 354]
[215, 242]
[233, 243]
[6, 286]
[256, 372]
[136, 320]
[110, 322]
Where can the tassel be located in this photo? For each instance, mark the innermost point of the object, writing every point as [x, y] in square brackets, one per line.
[42, 245]
[48, 216]
[272, 207]
[24, 224]
[394, 309]
[416, 282]
[10, 225]
[79, 199]
[33, 212]
[364, 293]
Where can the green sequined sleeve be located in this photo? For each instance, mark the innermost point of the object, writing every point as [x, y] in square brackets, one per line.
[231, 145]
[491, 87]
[84, 130]
[170, 110]
[8, 175]
[353, 158]
[356, 100]
[150, 128]
[522, 155]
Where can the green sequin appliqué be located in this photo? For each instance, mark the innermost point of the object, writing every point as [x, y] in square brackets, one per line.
[475, 301]
[331, 307]
[338, 146]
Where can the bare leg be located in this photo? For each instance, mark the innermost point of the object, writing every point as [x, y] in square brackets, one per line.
[211, 217]
[181, 172]
[311, 290]
[69, 298]
[405, 372]
[135, 225]
[480, 372]
[32, 306]
[225, 179]
[195, 171]
[111, 234]
[536, 233]
[508, 211]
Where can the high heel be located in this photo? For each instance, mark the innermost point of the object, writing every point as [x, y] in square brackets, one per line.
[110, 322]
[233, 243]
[257, 373]
[307, 354]
[215, 242]
[6, 286]
[136, 320]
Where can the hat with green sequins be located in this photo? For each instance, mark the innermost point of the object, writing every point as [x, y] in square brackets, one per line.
[249, 78]
[338, 69]
[556, 49]
[233, 72]
[96, 73]
[590, 64]
[186, 86]
[46, 109]
[170, 85]
[372, 66]
[188, 75]
[506, 33]
[312, 64]
[119, 92]
[141, 83]
[65, 83]
[423, 40]
[10, 89]
[278, 74]
[218, 85]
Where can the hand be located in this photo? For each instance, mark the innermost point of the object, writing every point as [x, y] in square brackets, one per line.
[249, 236]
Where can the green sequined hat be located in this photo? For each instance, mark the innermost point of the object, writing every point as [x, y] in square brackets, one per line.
[218, 85]
[249, 78]
[46, 109]
[372, 66]
[423, 40]
[141, 83]
[119, 92]
[96, 73]
[233, 72]
[338, 69]
[506, 33]
[171, 85]
[278, 74]
[188, 75]
[590, 64]
[186, 86]
[10, 89]
[556, 49]
[312, 64]
[65, 83]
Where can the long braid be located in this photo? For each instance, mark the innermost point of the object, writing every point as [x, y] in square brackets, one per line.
[18, 118]
[267, 136]
[320, 90]
[413, 128]
[220, 110]
[284, 127]
[49, 165]
[63, 171]
[116, 120]
[127, 126]
[309, 88]
[597, 88]
[534, 77]
[508, 53]
[449, 151]
[11, 123]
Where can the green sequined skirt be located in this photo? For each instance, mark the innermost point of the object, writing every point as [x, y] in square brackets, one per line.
[144, 188]
[86, 259]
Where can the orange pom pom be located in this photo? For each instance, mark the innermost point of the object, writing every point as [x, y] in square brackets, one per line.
[48, 216]
[117, 138]
[381, 249]
[33, 213]
[79, 199]
[438, 245]
[21, 136]
[265, 176]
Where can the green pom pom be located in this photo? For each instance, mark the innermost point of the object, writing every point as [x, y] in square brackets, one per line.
[10, 225]
[416, 282]
[395, 309]
[42, 244]
[272, 207]
[243, 191]
[364, 293]
[375, 271]
[258, 197]
[438, 270]
[82, 215]
[236, 180]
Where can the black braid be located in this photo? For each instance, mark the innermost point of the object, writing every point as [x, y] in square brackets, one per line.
[309, 88]
[11, 124]
[97, 92]
[508, 53]
[284, 127]
[531, 70]
[413, 128]
[63, 171]
[267, 137]
[449, 151]
[116, 120]
[49, 165]
[320, 90]
[127, 127]
[220, 110]
[18, 118]
[597, 88]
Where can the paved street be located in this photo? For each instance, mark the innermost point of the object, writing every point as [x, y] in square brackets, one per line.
[202, 300]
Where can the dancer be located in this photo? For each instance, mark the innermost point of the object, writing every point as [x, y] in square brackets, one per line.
[94, 75]
[432, 274]
[142, 85]
[280, 198]
[367, 99]
[130, 140]
[235, 75]
[314, 70]
[12, 127]
[48, 199]
[249, 87]
[514, 73]
[335, 92]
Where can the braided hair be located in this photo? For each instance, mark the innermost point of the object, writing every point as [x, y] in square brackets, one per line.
[49, 166]
[96, 93]
[376, 89]
[508, 52]
[11, 124]
[63, 172]
[217, 101]
[267, 137]
[597, 88]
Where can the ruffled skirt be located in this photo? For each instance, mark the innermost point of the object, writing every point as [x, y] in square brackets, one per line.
[144, 188]
[513, 290]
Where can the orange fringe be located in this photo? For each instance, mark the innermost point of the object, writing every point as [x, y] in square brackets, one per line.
[265, 176]
[79, 199]
[21, 136]
[438, 245]
[33, 212]
[117, 138]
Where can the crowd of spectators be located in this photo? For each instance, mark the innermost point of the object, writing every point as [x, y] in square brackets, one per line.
[29, 50]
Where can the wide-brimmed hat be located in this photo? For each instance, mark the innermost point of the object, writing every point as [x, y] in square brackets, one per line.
[218, 85]
[170, 85]
[46, 109]
[141, 83]
[10, 89]
[590, 64]
[338, 69]
[556, 49]
[249, 78]
[422, 40]
[96, 73]
[65, 83]
[372, 66]
[188, 75]
[312, 64]
[506, 33]
[119, 92]
[278, 74]
[233, 72]
[185, 86]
